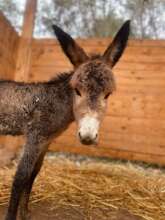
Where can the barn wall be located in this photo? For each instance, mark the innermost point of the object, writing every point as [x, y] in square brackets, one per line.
[9, 40]
[8, 48]
[134, 127]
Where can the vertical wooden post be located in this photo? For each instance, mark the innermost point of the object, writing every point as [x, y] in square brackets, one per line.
[23, 65]
[25, 45]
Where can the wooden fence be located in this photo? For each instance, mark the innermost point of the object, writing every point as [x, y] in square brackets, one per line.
[134, 127]
[8, 48]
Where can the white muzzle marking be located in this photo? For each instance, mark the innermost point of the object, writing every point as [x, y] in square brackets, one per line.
[88, 127]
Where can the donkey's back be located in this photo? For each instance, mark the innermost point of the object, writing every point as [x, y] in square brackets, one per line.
[16, 104]
[24, 104]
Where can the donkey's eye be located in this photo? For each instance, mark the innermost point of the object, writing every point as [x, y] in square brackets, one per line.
[107, 95]
[77, 92]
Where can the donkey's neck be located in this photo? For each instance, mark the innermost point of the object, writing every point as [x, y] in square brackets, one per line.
[63, 99]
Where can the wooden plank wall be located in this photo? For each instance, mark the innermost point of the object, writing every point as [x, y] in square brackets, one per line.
[134, 127]
[9, 41]
[8, 48]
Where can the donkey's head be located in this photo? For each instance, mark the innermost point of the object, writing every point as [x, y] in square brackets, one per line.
[92, 81]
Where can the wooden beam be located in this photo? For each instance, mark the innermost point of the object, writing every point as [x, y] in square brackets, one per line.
[25, 45]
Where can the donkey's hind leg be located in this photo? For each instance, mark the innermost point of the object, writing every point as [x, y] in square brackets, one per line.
[24, 210]
[34, 148]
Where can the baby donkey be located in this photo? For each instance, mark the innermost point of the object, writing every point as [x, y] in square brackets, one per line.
[41, 111]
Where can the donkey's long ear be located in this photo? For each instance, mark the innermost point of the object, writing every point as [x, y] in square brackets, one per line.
[75, 53]
[116, 48]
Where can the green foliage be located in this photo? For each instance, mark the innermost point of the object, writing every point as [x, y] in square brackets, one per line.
[87, 18]
[147, 17]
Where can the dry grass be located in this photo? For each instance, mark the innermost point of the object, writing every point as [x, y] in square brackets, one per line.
[96, 184]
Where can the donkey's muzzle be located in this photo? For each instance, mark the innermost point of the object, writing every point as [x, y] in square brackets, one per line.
[87, 140]
[88, 130]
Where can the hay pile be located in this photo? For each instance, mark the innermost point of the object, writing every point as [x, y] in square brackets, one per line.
[93, 184]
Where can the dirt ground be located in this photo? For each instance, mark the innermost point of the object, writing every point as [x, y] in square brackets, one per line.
[43, 212]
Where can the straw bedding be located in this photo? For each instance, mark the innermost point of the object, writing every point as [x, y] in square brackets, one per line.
[92, 184]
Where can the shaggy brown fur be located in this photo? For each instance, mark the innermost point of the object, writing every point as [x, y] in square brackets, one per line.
[41, 111]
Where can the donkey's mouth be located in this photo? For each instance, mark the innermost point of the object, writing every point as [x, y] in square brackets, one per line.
[88, 140]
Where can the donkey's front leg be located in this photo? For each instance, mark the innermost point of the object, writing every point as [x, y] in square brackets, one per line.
[24, 211]
[34, 148]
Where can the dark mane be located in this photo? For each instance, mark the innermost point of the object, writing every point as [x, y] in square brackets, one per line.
[61, 77]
